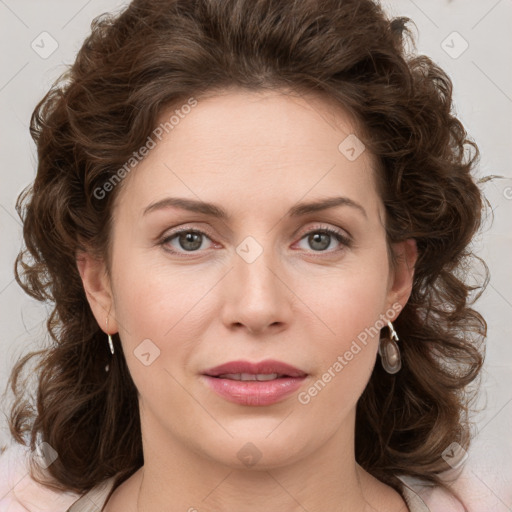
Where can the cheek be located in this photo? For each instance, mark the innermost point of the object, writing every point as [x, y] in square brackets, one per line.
[349, 299]
[346, 361]
[151, 295]
[161, 313]
[157, 340]
[346, 344]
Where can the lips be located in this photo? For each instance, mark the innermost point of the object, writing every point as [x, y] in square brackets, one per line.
[262, 368]
[254, 384]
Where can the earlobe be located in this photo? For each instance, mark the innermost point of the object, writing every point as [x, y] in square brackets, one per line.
[96, 283]
[406, 256]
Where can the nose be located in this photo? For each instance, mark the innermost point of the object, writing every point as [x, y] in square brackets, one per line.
[256, 295]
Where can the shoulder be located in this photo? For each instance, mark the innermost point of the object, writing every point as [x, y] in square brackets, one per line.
[20, 493]
[95, 499]
[422, 496]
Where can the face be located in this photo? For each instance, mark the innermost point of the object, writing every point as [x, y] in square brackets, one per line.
[190, 290]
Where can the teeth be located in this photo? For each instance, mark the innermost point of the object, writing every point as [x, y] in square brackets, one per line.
[250, 376]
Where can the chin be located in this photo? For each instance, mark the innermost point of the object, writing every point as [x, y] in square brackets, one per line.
[259, 451]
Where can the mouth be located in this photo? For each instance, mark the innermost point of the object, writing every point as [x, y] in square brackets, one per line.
[250, 376]
[264, 370]
[255, 384]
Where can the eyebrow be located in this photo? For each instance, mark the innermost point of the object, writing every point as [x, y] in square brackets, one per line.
[214, 210]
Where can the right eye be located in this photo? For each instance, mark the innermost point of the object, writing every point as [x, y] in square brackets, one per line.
[187, 240]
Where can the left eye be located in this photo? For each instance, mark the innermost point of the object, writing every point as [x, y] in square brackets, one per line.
[190, 240]
[319, 239]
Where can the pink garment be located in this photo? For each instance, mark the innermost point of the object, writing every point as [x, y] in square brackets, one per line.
[20, 493]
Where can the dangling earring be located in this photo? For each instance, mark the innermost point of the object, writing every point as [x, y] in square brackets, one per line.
[389, 352]
[110, 340]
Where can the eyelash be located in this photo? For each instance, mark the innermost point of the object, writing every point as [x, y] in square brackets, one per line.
[342, 239]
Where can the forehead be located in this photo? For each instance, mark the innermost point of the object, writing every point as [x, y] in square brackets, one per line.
[250, 143]
[270, 119]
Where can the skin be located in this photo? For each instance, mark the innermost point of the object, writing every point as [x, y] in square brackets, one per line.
[256, 155]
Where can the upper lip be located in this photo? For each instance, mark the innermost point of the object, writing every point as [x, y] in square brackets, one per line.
[263, 367]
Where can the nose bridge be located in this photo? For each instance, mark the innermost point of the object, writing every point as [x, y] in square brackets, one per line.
[257, 299]
[255, 257]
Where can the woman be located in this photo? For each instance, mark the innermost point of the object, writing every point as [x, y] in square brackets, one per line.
[239, 207]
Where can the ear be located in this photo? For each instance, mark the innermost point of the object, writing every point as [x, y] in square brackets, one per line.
[402, 275]
[98, 290]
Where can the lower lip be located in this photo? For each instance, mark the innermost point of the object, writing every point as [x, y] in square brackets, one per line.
[254, 392]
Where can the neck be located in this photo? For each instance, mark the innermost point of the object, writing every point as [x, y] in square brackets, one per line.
[328, 478]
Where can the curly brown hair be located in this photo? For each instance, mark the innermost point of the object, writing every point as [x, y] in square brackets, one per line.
[158, 53]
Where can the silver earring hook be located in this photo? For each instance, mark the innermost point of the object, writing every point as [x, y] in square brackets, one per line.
[110, 342]
[394, 335]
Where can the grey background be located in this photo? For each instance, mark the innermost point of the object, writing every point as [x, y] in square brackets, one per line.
[482, 79]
